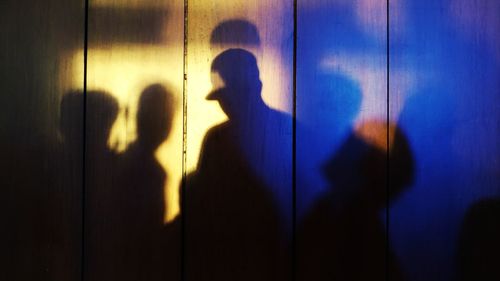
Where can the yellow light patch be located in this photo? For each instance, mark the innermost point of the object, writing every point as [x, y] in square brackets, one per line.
[124, 72]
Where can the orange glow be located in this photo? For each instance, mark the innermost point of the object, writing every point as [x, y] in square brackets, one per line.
[374, 132]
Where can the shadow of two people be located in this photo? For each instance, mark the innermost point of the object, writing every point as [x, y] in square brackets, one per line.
[232, 227]
[123, 193]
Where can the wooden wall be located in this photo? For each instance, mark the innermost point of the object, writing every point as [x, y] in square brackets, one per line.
[347, 140]
[41, 182]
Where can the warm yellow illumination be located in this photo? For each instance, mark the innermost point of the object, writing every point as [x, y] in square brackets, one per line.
[274, 23]
[124, 72]
[204, 114]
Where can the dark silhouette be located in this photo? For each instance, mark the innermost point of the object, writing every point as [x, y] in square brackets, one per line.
[479, 248]
[232, 230]
[101, 175]
[54, 177]
[101, 205]
[41, 165]
[68, 169]
[71, 123]
[343, 237]
[268, 146]
[125, 238]
[141, 190]
[235, 31]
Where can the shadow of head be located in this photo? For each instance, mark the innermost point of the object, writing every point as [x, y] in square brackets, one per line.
[154, 116]
[101, 110]
[360, 166]
[235, 76]
[235, 32]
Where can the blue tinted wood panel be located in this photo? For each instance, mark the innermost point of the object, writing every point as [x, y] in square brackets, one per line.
[342, 135]
[444, 68]
[238, 196]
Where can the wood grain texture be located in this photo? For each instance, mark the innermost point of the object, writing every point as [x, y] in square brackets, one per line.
[134, 140]
[342, 136]
[397, 177]
[238, 202]
[40, 179]
[444, 73]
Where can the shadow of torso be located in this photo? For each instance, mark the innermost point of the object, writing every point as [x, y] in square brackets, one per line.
[232, 228]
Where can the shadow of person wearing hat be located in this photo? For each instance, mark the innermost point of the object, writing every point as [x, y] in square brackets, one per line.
[232, 228]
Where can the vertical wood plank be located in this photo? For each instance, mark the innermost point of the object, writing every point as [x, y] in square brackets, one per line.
[342, 136]
[134, 140]
[238, 201]
[40, 175]
[444, 93]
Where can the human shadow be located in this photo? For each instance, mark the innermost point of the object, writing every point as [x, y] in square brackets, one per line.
[101, 172]
[235, 32]
[41, 172]
[85, 124]
[479, 243]
[269, 153]
[141, 195]
[343, 236]
[231, 226]
[124, 237]
[68, 180]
